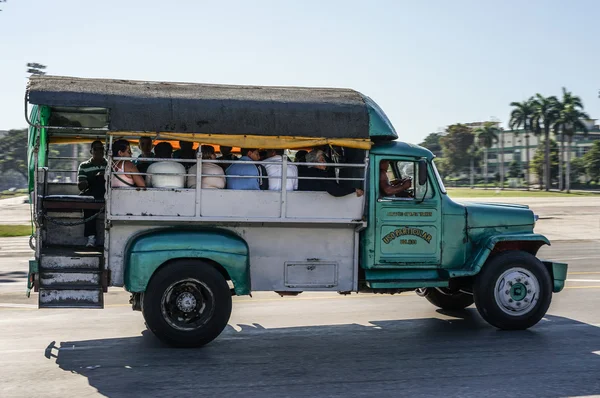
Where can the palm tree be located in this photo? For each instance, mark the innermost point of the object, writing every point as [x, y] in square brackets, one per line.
[501, 169]
[571, 115]
[543, 117]
[486, 136]
[571, 102]
[521, 116]
[558, 127]
[472, 152]
[573, 122]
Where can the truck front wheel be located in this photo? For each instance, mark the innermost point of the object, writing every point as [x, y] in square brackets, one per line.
[187, 303]
[513, 291]
[448, 300]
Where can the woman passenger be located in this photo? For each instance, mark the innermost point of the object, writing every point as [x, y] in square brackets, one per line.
[122, 148]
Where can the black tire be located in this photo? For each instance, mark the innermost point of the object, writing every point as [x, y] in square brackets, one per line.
[499, 308]
[193, 283]
[447, 300]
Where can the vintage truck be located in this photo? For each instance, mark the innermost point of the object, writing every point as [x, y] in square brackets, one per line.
[183, 253]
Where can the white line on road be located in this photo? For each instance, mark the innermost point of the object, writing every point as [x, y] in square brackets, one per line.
[583, 280]
[9, 305]
[575, 258]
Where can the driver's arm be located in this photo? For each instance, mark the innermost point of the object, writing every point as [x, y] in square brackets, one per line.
[389, 189]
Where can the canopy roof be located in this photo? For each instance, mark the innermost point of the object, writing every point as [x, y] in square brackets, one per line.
[209, 109]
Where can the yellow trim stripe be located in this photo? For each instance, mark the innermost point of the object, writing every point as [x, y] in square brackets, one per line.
[254, 141]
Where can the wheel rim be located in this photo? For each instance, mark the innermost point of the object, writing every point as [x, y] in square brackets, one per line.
[517, 291]
[187, 304]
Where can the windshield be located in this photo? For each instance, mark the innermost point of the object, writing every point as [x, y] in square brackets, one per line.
[439, 178]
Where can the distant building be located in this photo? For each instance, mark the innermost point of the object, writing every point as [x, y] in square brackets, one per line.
[476, 125]
[515, 149]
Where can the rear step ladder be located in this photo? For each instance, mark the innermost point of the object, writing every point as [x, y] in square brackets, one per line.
[71, 278]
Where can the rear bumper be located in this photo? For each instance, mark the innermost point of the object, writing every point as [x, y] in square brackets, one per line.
[558, 271]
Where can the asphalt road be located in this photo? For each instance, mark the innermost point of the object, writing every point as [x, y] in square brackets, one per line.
[312, 345]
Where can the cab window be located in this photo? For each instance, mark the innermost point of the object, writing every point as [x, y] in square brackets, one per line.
[399, 171]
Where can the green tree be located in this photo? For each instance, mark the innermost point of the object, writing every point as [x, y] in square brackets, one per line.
[569, 113]
[442, 165]
[544, 116]
[432, 142]
[572, 117]
[474, 154]
[455, 145]
[13, 156]
[13, 152]
[577, 169]
[592, 162]
[514, 169]
[486, 137]
[538, 163]
[521, 116]
[558, 129]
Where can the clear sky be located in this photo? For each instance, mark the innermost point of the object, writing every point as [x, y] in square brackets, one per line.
[428, 63]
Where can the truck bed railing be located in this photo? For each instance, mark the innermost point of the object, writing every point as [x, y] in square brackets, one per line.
[272, 206]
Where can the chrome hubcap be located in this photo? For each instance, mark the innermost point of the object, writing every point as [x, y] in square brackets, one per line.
[517, 291]
[186, 302]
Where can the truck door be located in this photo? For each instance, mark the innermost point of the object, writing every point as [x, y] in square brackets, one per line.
[408, 224]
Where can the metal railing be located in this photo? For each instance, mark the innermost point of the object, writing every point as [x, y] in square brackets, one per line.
[199, 175]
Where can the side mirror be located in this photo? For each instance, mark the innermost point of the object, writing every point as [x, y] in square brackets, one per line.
[422, 172]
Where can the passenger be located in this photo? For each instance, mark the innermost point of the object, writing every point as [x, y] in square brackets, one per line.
[175, 170]
[330, 186]
[274, 171]
[216, 182]
[185, 151]
[226, 155]
[301, 156]
[391, 188]
[90, 181]
[246, 169]
[355, 156]
[145, 144]
[121, 148]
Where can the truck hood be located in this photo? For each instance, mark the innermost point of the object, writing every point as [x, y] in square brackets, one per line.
[498, 215]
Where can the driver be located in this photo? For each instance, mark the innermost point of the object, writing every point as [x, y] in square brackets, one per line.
[391, 188]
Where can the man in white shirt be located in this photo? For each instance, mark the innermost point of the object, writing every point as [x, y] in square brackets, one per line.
[274, 172]
[175, 170]
[217, 175]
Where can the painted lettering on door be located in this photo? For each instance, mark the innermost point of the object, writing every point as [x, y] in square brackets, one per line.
[418, 232]
[410, 214]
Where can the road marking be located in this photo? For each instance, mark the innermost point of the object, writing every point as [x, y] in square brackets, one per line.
[338, 297]
[8, 305]
[584, 273]
[582, 287]
[576, 258]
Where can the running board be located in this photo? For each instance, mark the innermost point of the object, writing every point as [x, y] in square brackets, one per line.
[92, 297]
[71, 278]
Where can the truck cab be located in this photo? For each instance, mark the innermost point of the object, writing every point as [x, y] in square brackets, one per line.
[183, 252]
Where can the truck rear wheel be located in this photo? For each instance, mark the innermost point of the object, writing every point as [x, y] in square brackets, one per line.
[187, 303]
[448, 300]
[513, 291]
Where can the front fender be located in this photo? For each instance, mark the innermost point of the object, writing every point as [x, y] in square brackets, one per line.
[147, 252]
[486, 247]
